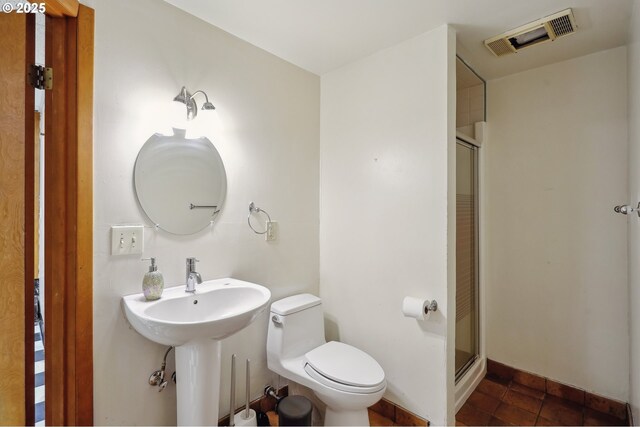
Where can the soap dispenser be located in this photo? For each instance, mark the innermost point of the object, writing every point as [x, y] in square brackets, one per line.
[153, 282]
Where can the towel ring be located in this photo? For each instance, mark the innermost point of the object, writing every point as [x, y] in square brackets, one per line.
[253, 208]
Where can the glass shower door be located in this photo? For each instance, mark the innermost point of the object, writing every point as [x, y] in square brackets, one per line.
[466, 257]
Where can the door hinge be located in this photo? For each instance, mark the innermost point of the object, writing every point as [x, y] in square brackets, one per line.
[41, 77]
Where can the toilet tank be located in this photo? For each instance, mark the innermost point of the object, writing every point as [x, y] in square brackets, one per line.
[296, 326]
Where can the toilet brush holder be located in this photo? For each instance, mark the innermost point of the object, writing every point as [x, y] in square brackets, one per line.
[251, 420]
[246, 417]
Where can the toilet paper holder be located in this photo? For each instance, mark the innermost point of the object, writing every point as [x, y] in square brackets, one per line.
[418, 308]
[432, 306]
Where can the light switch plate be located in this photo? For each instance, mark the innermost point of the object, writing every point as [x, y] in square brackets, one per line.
[272, 231]
[127, 239]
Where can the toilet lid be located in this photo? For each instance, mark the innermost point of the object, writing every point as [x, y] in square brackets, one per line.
[345, 364]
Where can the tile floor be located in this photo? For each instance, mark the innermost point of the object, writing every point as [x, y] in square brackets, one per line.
[499, 402]
[39, 371]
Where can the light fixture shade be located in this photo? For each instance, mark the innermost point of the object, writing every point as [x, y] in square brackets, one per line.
[186, 98]
[183, 96]
[208, 106]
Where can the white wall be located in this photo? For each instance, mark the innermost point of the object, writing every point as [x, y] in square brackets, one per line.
[268, 137]
[387, 124]
[633, 74]
[556, 300]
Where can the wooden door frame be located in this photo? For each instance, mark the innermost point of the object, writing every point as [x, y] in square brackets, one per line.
[16, 219]
[69, 219]
[69, 254]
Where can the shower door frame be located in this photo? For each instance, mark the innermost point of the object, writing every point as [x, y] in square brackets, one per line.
[473, 145]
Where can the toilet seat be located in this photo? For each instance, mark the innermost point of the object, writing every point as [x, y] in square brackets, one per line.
[345, 368]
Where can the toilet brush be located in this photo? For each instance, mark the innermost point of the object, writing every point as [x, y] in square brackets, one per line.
[248, 416]
[232, 400]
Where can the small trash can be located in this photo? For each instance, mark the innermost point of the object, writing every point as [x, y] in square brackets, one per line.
[295, 411]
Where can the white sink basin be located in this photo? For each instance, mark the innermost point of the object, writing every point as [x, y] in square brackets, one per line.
[195, 324]
[218, 308]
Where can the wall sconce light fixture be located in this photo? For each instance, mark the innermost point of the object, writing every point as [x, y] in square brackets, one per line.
[188, 100]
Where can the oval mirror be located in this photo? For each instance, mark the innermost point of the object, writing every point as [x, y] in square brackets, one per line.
[180, 183]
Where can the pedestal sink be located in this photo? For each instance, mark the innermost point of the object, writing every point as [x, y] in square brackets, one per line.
[194, 324]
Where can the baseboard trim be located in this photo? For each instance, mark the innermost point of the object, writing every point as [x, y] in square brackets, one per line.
[398, 414]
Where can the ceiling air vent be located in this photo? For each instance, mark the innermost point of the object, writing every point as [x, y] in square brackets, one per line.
[543, 30]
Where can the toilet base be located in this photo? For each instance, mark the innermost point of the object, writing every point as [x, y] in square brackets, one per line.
[358, 417]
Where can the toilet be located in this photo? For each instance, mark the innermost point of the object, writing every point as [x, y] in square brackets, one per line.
[345, 378]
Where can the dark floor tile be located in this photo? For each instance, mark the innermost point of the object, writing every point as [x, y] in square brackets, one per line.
[595, 418]
[561, 411]
[39, 356]
[523, 401]
[500, 370]
[564, 391]
[36, 337]
[39, 379]
[40, 411]
[498, 422]
[385, 408]
[605, 405]
[530, 380]
[472, 416]
[527, 390]
[484, 402]
[515, 415]
[492, 388]
[541, 421]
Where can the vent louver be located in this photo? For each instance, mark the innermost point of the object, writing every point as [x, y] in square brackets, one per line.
[501, 47]
[562, 26]
[543, 30]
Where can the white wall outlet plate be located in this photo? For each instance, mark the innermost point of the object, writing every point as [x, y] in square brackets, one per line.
[272, 231]
[127, 239]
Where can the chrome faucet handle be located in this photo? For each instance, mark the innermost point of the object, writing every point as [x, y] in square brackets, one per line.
[192, 276]
[191, 264]
[191, 284]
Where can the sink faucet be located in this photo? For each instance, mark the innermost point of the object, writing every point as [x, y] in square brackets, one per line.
[193, 277]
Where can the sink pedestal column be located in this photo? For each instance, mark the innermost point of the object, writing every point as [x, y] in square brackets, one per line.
[198, 382]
